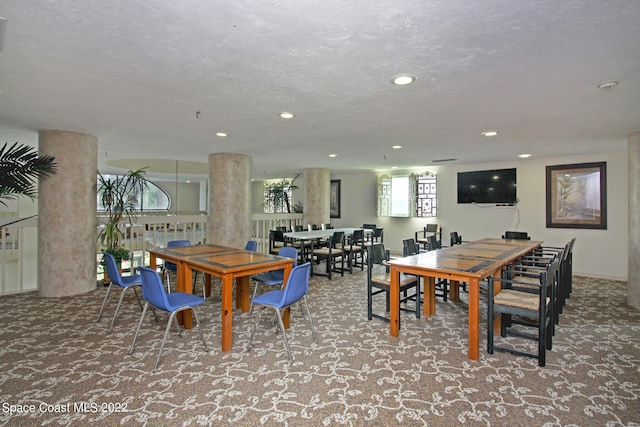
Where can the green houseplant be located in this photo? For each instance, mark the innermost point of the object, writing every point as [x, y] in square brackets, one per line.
[20, 167]
[118, 196]
[277, 194]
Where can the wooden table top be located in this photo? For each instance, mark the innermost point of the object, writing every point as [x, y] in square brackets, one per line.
[476, 259]
[220, 259]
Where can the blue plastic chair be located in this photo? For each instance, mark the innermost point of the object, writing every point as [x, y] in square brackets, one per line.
[251, 245]
[169, 267]
[154, 294]
[276, 277]
[125, 283]
[295, 291]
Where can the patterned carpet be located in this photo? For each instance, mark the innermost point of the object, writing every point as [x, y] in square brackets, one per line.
[54, 359]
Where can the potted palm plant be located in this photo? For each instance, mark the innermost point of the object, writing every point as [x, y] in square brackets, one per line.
[20, 167]
[278, 194]
[118, 196]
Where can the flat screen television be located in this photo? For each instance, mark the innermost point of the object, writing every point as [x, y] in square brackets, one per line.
[497, 186]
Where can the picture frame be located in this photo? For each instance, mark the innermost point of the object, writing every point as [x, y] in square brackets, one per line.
[576, 195]
[334, 199]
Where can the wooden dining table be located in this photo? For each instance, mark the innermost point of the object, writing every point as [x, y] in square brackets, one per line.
[471, 263]
[227, 263]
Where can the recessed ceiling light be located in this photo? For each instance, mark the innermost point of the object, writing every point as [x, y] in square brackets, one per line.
[287, 115]
[608, 85]
[403, 79]
[221, 134]
[490, 132]
[524, 156]
[396, 147]
[333, 155]
[394, 167]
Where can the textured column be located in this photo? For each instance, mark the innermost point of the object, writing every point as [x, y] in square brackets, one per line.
[230, 199]
[633, 285]
[67, 215]
[317, 193]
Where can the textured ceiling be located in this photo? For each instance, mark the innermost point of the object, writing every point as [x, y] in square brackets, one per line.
[134, 74]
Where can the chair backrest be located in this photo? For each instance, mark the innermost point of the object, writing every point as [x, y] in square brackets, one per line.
[455, 238]
[376, 254]
[338, 237]
[357, 237]
[289, 252]
[312, 227]
[517, 235]
[432, 243]
[251, 245]
[112, 269]
[153, 289]
[297, 228]
[409, 247]
[431, 228]
[297, 284]
[175, 244]
[369, 226]
[326, 226]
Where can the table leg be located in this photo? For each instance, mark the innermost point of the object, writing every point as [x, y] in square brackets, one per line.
[497, 323]
[183, 278]
[242, 293]
[207, 284]
[429, 296]
[454, 290]
[394, 301]
[227, 312]
[474, 319]
[286, 315]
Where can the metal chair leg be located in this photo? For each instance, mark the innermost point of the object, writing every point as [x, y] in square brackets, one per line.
[104, 302]
[313, 329]
[284, 334]
[164, 338]
[133, 343]
[113, 321]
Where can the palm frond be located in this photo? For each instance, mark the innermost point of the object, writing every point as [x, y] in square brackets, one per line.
[20, 168]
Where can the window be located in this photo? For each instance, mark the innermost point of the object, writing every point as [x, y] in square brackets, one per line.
[426, 203]
[152, 198]
[278, 196]
[407, 195]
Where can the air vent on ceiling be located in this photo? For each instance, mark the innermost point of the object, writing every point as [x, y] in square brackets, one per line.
[443, 160]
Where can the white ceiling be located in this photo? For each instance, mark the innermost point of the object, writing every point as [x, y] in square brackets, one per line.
[134, 74]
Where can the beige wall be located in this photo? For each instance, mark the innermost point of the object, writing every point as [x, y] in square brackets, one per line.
[600, 253]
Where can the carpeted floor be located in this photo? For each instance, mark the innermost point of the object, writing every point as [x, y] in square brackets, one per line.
[54, 359]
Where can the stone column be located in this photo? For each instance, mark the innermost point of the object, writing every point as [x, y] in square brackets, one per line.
[633, 284]
[229, 199]
[317, 189]
[67, 215]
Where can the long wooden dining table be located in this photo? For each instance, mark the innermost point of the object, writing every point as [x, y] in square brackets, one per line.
[470, 262]
[228, 264]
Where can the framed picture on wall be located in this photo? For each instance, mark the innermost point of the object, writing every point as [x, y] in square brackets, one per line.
[577, 195]
[334, 198]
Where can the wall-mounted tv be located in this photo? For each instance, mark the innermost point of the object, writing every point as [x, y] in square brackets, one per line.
[497, 186]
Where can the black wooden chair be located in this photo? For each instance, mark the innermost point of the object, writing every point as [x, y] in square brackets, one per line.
[526, 299]
[421, 237]
[516, 235]
[409, 247]
[330, 253]
[379, 280]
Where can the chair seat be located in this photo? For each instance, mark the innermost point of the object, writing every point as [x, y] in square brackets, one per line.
[518, 299]
[270, 278]
[183, 299]
[385, 279]
[325, 251]
[132, 280]
[272, 298]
